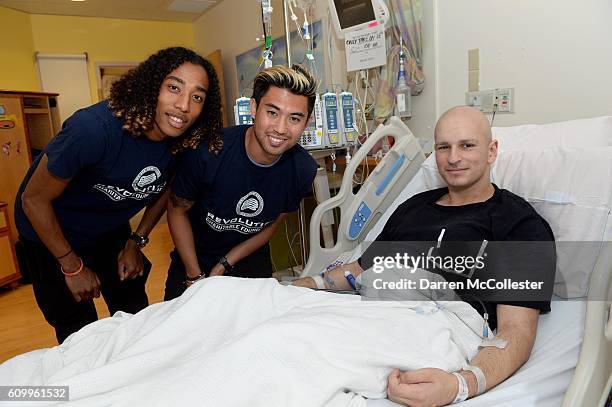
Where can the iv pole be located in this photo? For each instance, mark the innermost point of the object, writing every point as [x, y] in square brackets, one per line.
[302, 209]
[287, 34]
[321, 184]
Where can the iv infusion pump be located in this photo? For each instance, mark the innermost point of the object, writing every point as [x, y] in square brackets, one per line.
[332, 123]
[347, 111]
[312, 137]
[330, 117]
[242, 111]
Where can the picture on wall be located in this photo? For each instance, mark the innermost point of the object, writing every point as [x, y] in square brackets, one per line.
[251, 62]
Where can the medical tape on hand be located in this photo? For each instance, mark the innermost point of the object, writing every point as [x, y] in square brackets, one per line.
[318, 280]
[462, 391]
[481, 380]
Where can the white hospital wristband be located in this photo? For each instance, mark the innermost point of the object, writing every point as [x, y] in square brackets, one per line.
[462, 391]
[481, 380]
[318, 280]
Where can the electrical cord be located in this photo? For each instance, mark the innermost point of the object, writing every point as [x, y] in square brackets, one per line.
[494, 110]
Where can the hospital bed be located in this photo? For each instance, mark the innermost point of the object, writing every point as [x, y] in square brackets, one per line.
[565, 171]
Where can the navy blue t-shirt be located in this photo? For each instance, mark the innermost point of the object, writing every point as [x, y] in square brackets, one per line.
[235, 198]
[114, 175]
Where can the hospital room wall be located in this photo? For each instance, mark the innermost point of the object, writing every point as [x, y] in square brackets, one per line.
[555, 53]
[103, 39]
[17, 51]
[106, 39]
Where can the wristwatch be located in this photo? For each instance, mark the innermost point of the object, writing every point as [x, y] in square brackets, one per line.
[141, 241]
[228, 267]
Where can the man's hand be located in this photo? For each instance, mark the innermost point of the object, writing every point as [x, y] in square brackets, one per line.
[217, 270]
[422, 387]
[84, 286]
[307, 282]
[129, 262]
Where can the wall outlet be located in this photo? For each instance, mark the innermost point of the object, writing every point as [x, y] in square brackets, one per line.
[482, 100]
[485, 100]
[505, 100]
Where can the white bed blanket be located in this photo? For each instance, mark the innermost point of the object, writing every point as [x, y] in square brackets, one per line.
[238, 342]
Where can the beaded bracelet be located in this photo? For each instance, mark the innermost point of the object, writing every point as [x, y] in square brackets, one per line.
[193, 279]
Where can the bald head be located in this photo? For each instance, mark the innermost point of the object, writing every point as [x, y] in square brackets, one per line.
[464, 152]
[466, 118]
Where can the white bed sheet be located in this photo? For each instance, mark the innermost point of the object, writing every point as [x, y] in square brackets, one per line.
[543, 380]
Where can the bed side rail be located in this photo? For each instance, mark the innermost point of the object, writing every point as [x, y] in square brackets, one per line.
[590, 383]
[359, 212]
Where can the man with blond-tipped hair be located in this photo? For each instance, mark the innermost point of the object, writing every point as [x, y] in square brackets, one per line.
[224, 208]
[470, 208]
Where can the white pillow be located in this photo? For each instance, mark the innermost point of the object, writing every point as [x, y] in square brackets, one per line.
[569, 187]
[572, 189]
[583, 133]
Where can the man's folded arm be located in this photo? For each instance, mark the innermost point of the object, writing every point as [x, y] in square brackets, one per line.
[427, 387]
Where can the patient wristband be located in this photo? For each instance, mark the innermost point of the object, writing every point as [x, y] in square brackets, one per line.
[318, 280]
[480, 378]
[462, 391]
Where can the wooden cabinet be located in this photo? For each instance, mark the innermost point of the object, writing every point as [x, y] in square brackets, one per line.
[28, 120]
[9, 270]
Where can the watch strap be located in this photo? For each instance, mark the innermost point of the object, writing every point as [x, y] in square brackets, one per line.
[228, 267]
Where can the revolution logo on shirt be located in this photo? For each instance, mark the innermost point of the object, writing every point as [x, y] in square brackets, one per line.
[250, 205]
[142, 185]
[237, 224]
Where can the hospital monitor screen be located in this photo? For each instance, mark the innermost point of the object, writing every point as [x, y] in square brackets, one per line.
[354, 12]
[349, 15]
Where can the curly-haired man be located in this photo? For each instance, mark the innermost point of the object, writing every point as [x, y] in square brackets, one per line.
[108, 162]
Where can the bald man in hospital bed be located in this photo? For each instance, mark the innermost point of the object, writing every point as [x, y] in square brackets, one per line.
[470, 208]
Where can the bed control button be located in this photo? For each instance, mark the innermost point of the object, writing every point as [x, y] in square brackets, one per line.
[361, 217]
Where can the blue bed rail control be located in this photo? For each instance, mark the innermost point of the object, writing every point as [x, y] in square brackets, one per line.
[359, 220]
[396, 166]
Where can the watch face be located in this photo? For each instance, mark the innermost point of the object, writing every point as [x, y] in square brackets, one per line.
[140, 240]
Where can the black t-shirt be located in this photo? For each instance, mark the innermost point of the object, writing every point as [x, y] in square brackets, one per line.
[236, 198]
[505, 217]
[114, 175]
